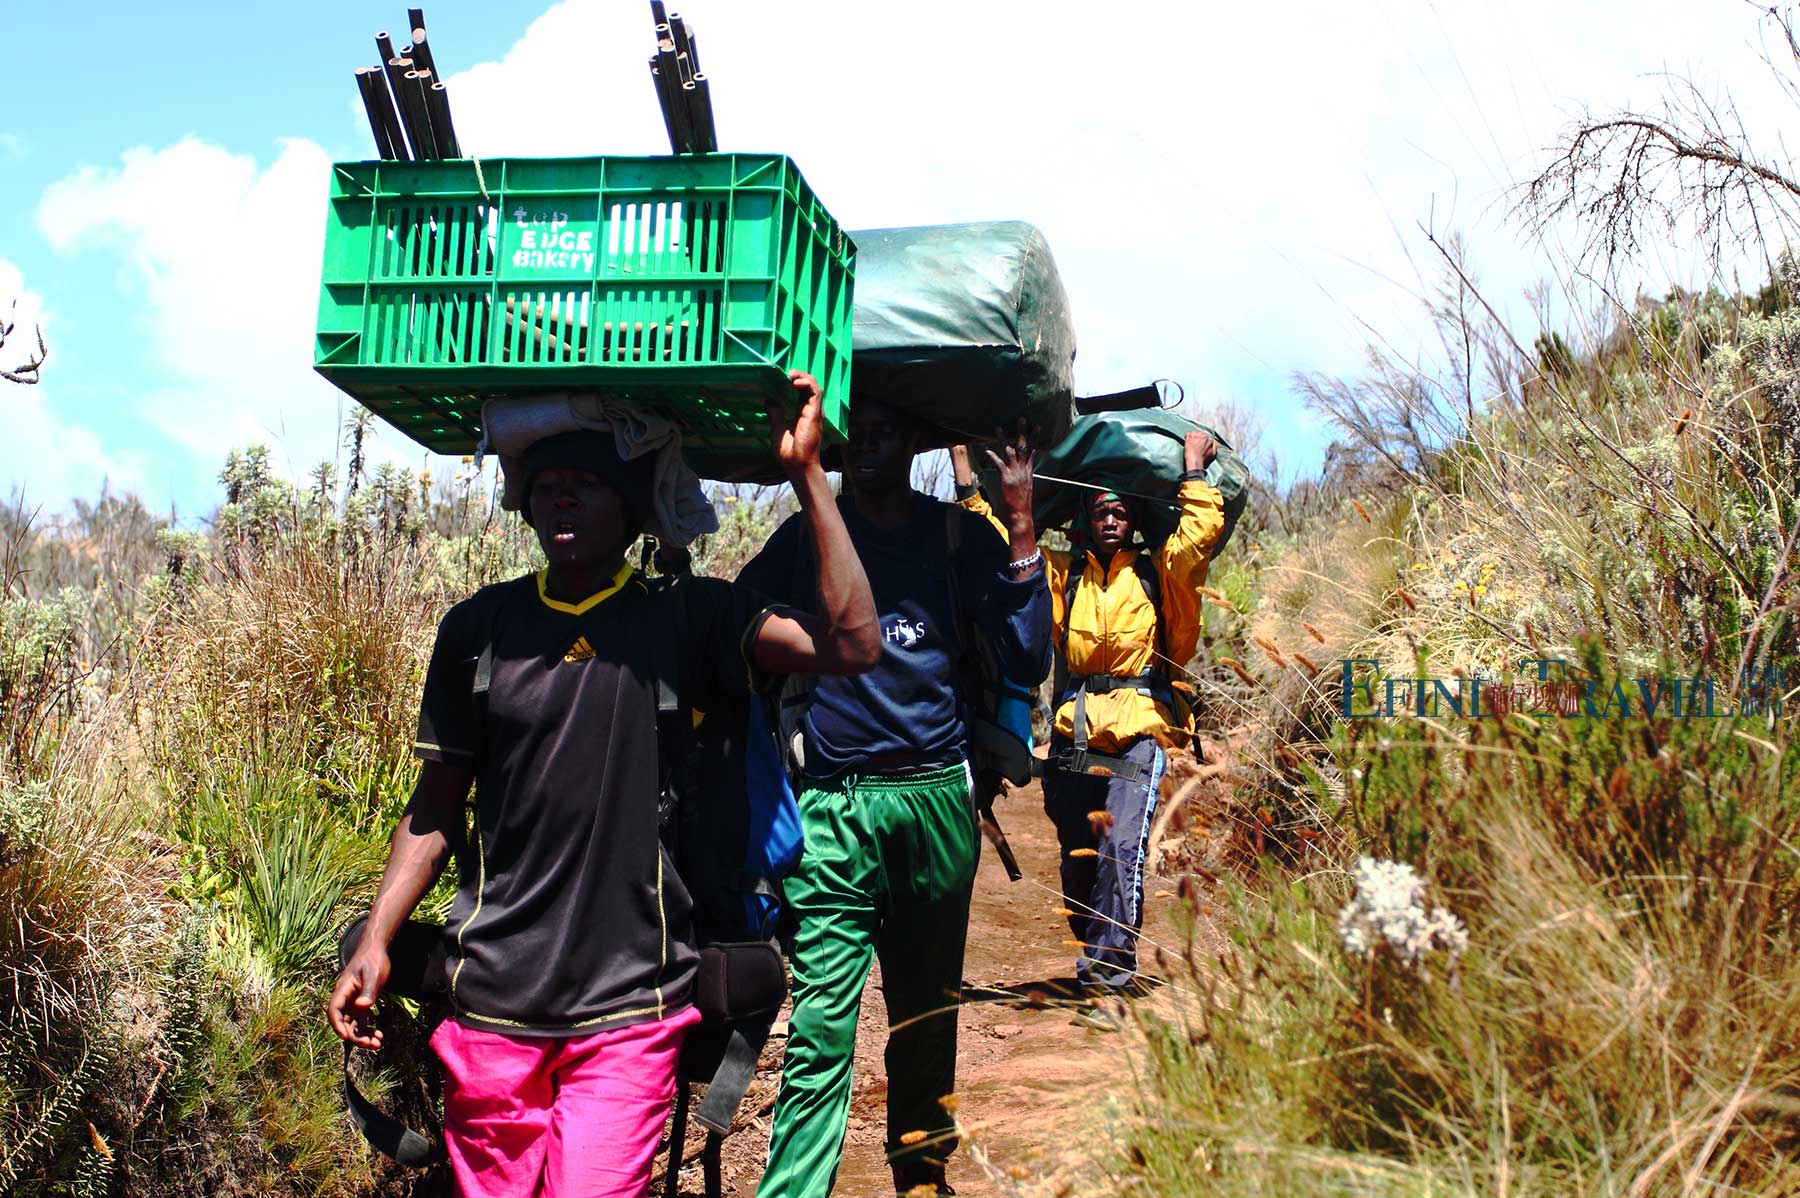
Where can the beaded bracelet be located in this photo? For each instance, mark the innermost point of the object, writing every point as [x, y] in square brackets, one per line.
[1025, 563]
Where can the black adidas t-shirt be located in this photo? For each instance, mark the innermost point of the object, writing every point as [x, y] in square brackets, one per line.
[569, 918]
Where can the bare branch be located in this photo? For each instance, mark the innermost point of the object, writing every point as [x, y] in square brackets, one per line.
[1633, 177]
[27, 374]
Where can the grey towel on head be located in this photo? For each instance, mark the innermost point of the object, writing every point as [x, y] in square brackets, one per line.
[676, 509]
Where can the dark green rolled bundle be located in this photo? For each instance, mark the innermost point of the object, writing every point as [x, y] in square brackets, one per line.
[966, 327]
[1138, 453]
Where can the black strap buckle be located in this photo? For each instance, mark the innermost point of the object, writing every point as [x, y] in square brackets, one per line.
[1101, 765]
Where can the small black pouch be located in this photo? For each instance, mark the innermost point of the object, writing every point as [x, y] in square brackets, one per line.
[417, 959]
[740, 981]
[416, 971]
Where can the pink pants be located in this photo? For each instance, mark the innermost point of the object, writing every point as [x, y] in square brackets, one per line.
[576, 1117]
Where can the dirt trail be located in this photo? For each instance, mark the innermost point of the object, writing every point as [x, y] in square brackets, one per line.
[1028, 1077]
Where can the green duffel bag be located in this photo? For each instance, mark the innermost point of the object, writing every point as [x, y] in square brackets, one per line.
[1138, 453]
[966, 327]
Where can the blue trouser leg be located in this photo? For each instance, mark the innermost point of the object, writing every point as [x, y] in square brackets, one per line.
[1106, 891]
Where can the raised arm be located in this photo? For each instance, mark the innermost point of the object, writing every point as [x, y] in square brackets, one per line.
[845, 637]
[1187, 553]
[968, 493]
[1015, 459]
[420, 849]
[1014, 605]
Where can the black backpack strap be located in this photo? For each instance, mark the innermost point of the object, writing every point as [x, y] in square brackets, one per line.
[792, 704]
[417, 956]
[385, 1133]
[674, 715]
[737, 1069]
[480, 687]
[665, 656]
[730, 1082]
[712, 1164]
[959, 616]
[1071, 584]
[710, 1155]
[677, 1141]
[483, 681]
[484, 676]
[977, 667]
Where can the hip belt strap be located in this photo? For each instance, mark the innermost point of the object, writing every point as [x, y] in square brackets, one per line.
[1079, 760]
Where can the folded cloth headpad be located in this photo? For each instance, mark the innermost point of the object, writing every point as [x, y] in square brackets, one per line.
[676, 510]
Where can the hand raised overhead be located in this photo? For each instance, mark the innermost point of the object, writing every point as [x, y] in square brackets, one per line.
[796, 440]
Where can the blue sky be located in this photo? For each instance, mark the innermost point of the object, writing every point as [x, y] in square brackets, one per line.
[1232, 197]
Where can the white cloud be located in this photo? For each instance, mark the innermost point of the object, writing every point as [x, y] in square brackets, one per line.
[1232, 193]
[44, 452]
[226, 254]
[1227, 189]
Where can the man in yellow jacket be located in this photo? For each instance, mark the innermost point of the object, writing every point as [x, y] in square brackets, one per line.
[1126, 623]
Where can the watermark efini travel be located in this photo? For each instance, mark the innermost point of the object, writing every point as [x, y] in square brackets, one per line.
[1550, 689]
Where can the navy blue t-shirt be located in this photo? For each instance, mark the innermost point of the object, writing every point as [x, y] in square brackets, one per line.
[907, 707]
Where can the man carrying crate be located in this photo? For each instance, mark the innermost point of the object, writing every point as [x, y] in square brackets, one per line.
[883, 761]
[571, 961]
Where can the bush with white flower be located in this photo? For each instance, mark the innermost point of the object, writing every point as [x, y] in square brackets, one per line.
[1388, 914]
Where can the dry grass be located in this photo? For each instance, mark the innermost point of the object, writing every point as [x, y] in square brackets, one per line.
[1626, 1020]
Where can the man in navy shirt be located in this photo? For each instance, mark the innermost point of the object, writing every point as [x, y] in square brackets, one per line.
[891, 837]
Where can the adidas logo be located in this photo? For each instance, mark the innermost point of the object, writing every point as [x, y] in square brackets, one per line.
[579, 651]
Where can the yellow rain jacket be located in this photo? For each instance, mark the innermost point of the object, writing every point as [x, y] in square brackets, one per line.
[1112, 629]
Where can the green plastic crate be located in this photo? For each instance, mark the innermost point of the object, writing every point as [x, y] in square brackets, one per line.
[692, 285]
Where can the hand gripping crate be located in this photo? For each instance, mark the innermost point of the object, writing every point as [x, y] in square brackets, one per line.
[691, 285]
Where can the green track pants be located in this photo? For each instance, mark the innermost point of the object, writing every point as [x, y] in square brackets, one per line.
[888, 868]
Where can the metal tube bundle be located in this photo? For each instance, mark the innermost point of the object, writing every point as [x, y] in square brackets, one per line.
[408, 108]
[408, 105]
[681, 88]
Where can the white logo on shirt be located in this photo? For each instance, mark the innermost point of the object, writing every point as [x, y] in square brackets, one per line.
[905, 633]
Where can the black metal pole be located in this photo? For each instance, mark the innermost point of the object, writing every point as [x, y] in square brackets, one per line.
[412, 114]
[421, 52]
[670, 72]
[693, 47]
[708, 136]
[441, 124]
[396, 69]
[678, 33]
[678, 30]
[665, 103]
[390, 116]
[384, 100]
[420, 83]
[690, 104]
[365, 84]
